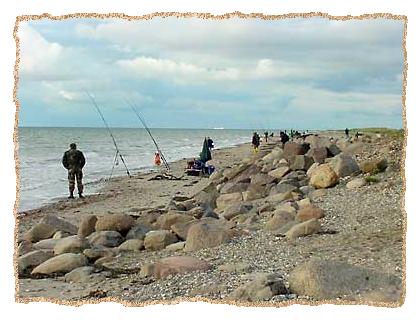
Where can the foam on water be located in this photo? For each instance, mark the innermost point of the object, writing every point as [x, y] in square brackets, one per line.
[43, 179]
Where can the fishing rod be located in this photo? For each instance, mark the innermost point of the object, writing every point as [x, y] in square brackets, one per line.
[118, 153]
[141, 118]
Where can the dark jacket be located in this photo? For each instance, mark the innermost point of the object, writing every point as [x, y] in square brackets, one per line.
[73, 159]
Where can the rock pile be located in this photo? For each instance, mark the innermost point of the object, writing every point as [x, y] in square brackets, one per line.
[273, 192]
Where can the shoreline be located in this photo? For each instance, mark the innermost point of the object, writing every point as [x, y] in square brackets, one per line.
[104, 181]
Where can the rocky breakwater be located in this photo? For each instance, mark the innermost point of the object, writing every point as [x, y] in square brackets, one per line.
[271, 197]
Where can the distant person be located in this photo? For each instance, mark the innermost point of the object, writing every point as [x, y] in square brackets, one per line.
[74, 161]
[347, 133]
[255, 141]
[210, 143]
[157, 159]
[266, 136]
[283, 137]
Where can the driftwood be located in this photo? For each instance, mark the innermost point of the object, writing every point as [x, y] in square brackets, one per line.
[165, 176]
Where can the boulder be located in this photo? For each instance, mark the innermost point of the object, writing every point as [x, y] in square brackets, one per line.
[318, 154]
[233, 172]
[317, 194]
[279, 219]
[181, 228]
[303, 203]
[231, 187]
[312, 169]
[309, 212]
[207, 196]
[227, 199]
[105, 239]
[236, 209]
[275, 154]
[262, 179]
[60, 235]
[301, 162]
[279, 197]
[59, 224]
[254, 191]
[165, 221]
[196, 212]
[303, 229]
[139, 231]
[333, 150]
[178, 264]
[186, 205]
[46, 244]
[131, 245]
[74, 244]
[61, 264]
[79, 275]
[87, 225]
[329, 279]
[33, 259]
[293, 149]
[40, 231]
[24, 247]
[356, 183]
[178, 246]
[344, 165]
[97, 253]
[323, 177]
[159, 239]
[262, 288]
[207, 234]
[282, 188]
[279, 172]
[119, 222]
[374, 166]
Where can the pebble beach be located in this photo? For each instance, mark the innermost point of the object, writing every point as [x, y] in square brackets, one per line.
[319, 219]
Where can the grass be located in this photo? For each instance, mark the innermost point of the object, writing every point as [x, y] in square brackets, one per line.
[372, 179]
[393, 133]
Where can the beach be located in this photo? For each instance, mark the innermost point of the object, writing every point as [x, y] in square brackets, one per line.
[362, 227]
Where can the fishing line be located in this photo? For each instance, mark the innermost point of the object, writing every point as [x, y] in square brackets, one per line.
[118, 153]
[141, 118]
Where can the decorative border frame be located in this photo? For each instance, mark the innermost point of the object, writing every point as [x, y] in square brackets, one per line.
[235, 14]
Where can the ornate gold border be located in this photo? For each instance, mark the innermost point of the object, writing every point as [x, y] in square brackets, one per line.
[235, 14]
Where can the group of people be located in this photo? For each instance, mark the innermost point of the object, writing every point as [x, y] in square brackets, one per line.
[74, 161]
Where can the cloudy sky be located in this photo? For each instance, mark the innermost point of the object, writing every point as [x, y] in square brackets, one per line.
[193, 73]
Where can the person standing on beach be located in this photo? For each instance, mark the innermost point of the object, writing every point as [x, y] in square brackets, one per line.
[347, 133]
[255, 141]
[266, 136]
[74, 161]
[210, 143]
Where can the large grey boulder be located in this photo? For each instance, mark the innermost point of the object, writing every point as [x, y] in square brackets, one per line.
[105, 239]
[344, 165]
[301, 162]
[139, 231]
[61, 264]
[73, 244]
[207, 234]
[165, 221]
[33, 259]
[329, 279]
[236, 209]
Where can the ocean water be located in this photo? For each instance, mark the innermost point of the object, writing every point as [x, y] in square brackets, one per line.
[43, 179]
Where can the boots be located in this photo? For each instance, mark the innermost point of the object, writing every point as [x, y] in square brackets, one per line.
[71, 195]
[81, 195]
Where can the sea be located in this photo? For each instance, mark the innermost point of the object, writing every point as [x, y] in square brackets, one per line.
[43, 179]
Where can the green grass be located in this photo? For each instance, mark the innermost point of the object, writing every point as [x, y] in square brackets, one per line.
[372, 179]
[393, 133]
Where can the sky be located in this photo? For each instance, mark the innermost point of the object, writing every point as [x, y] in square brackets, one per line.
[302, 73]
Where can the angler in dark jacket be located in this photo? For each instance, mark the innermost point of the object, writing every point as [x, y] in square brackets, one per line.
[74, 161]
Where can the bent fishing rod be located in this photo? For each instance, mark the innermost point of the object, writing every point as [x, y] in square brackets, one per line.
[118, 153]
[141, 118]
